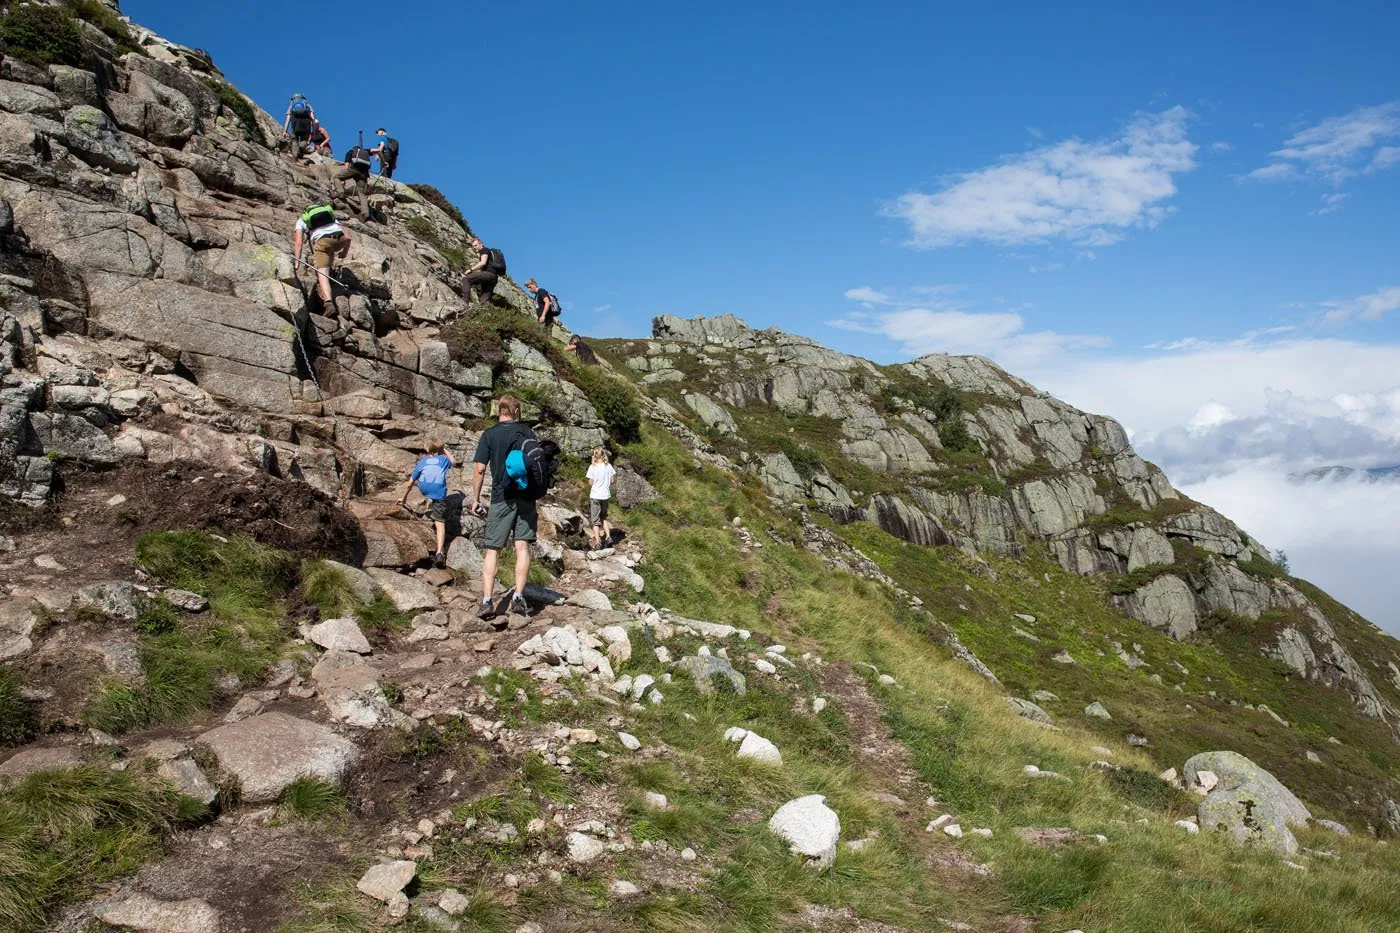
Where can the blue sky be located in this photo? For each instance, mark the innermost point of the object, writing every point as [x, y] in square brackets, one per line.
[1183, 215]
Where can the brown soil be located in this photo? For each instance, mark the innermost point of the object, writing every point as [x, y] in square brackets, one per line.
[886, 759]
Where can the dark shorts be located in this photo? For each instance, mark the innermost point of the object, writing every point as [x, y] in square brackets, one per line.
[597, 511]
[437, 510]
[513, 517]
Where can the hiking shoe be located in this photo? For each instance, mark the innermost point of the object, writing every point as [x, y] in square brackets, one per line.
[439, 560]
[487, 610]
[518, 606]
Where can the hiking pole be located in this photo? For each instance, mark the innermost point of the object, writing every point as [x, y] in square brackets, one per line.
[318, 272]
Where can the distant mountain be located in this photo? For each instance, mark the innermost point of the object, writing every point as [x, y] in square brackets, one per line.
[1386, 474]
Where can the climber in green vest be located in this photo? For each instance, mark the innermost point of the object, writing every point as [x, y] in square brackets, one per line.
[328, 241]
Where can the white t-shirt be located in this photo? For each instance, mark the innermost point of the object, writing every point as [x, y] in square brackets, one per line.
[601, 475]
[323, 230]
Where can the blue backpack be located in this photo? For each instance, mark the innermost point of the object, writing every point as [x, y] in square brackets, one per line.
[301, 108]
[530, 468]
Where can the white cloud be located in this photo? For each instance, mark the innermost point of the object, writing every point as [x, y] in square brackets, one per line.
[1370, 307]
[1331, 202]
[1222, 146]
[602, 309]
[946, 329]
[1338, 147]
[1089, 193]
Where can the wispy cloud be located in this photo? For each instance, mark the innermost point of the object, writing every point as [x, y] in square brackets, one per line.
[602, 309]
[1369, 307]
[1331, 203]
[940, 327]
[1222, 146]
[1088, 193]
[1338, 148]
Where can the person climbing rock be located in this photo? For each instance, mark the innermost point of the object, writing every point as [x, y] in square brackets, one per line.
[546, 306]
[509, 516]
[584, 351]
[490, 266]
[328, 241]
[320, 139]
[430, 474]
[356, 171]
[387, 151]
[299, 122]
[600, 475]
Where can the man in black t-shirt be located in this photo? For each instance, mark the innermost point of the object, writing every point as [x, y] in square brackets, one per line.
[507, 516]
[546, 306]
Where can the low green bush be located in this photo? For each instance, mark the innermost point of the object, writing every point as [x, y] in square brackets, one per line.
[100, 15]
[238, 105]
[615, 401]
[43, 35]
[438, 199]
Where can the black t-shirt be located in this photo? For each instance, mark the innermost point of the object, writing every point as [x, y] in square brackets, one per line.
[540, 296]
[495, 443]
[585, 353]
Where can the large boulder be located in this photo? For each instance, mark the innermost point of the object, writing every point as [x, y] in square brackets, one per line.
[1246, 801]
[90, 135]
[267, 753]
[810, 827]
[408, 594]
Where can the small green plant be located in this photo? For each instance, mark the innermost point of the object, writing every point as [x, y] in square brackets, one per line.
[615, 401]
[43, 35]
[438, 199]
[158, 617]
[424, 230]
[311, 799]
[806, 461]
[100, 15]
[238, 105]
[17, 724]
[955, 437]
[328, 588]
[381, 615]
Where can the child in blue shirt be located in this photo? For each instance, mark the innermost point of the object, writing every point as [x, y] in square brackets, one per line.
[430, 473]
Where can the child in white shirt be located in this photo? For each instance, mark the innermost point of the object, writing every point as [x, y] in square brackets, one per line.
[600, 474]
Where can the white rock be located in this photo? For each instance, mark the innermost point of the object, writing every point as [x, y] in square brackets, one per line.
[620, 888]
[688, 854]
[765, 667]
[887, 680]
[655, 801]
[339, 635]
[1097, 711]
[142, 912]
[583, 848]
[953, 830]
[663, 654]
[735, 734]
[982, 831]
[810, 827]
[758, 748]
[1168, 775]
[1205, 782]
[641, 684]
[818, 704]
[387, 879]
[591, 599]
[453, 902]
[1189, 826]
[629, 741]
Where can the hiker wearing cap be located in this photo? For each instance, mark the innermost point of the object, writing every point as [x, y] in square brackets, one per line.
[387, 151]
[490, 266]
[299, 121]
[546, 306]
[356, 171]
[328, 241]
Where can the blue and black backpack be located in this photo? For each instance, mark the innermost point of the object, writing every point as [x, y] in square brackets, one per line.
[530, 468]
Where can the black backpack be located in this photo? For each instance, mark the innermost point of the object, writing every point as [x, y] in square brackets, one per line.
[496, 261]
[359, 158]
[531, 462]
[391, 149]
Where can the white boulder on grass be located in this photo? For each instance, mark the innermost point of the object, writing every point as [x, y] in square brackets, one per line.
[810, 827]
[388, 879]
[339, 635]
[752, 745]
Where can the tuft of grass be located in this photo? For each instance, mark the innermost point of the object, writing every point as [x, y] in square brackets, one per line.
[64, 832]
[383, 616]
[438, 199]
[423, 229]
[17, 721]
[327, 587]
[100, 15]
[238, 105]
[311, 799]
[43, 35]
[332, 906]
[615, 401]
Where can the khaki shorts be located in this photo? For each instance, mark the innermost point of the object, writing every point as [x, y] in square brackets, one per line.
[513, 517]
[325, 250]
[597, 511]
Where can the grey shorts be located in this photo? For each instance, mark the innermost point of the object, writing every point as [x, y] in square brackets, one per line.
[437, 510]
[597, 511]
[515, 517]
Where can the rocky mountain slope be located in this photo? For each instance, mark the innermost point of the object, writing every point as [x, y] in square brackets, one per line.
[854, 604]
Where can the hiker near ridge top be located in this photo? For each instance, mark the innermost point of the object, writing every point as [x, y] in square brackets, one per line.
[600, 476]
[299, 121]
[387, 151]
[320, 139]
[584, 351]
[328, 241]
[546, 306]
[522, 469]
[490, 266]
[430, 473]
[356, 171]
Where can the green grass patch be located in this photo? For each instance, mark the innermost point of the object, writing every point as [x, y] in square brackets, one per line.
[238, 105]
[17, 721]
[311, 799]
[43, 35]
[100, 15]
[615, 401]
[439, 200]
[454, 253]
[62, 833]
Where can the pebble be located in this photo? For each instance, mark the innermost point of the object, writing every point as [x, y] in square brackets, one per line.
[688, 854]
[629, 741]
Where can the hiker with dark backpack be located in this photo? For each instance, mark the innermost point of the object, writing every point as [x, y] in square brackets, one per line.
[356, 171]
[547, 308]
[300, 120]
[387, 151]
[329, 242]
[490, 266]
[522, 470]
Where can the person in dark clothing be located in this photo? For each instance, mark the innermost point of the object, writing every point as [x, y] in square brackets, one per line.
[320, 139]
[546, 306]
[356, 171]
[490, 266]
[508, 516]
[387, 151]
[584, 351]
[300, 119]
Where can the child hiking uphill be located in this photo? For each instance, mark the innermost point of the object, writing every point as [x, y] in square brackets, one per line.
[430, 474]
[600, 475]
[522, 470]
